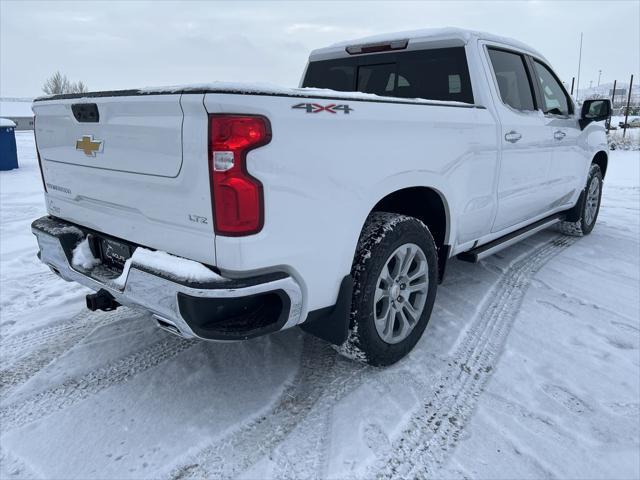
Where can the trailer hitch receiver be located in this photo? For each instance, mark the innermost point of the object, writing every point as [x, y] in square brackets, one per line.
[101, 300]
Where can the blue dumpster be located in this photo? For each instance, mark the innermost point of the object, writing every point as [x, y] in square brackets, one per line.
[8, 153]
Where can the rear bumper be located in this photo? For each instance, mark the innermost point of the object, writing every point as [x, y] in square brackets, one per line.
[227, 309]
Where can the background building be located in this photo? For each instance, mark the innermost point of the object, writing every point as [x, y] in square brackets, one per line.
[19, 111]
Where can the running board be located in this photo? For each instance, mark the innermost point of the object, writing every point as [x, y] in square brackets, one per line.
[483, 251]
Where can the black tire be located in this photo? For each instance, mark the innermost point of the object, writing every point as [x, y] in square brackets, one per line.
[381, 236]
[585, 225]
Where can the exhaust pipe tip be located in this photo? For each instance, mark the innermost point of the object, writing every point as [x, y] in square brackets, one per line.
[101, 300]
[168, 326]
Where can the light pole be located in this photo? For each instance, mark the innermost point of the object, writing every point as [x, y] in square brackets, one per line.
[599, 73]
[579, 65]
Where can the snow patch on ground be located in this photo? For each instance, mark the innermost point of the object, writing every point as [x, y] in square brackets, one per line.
[522, 372]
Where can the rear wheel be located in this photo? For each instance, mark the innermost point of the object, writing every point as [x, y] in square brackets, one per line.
[395, 281]
[590, 206]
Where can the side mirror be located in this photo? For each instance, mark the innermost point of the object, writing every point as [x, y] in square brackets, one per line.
[595, 110]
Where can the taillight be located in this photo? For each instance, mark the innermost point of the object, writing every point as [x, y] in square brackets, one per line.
[237, 197]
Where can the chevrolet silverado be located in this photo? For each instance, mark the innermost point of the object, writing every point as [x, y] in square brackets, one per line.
[230, 211]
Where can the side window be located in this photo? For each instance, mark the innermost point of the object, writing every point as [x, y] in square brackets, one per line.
[335, 75]
[513, 81]
[554, 99]
[438, 74]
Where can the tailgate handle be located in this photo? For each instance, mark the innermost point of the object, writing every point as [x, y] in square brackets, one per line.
[85, 112]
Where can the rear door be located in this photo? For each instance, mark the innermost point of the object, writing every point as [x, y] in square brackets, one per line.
[525, 141]
[130, 166]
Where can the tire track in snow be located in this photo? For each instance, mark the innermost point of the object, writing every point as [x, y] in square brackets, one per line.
[540, 425]
[24, 355]
[568, 298]
[308, 452]
[74, 390]
[22, 344]
[43, 286]
[307, 449]
[435, 428]
[13, 467]
[238, 451]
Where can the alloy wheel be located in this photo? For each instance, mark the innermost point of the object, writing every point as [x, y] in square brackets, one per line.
[401, 293]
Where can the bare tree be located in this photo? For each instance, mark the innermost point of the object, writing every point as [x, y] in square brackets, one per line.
[79, 87]
[56, 84]
[59, 83]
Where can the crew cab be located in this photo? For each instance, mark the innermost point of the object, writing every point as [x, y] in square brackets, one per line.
[230, 210]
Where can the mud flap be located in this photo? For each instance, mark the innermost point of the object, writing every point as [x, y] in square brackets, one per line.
[575, 213]
[443, 256]
[332, 323]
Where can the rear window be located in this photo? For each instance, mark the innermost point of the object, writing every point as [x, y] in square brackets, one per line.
[438, 74]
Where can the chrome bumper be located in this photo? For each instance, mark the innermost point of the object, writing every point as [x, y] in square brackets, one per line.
[193, 310]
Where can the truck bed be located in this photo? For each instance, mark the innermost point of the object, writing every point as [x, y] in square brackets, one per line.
[321, 172]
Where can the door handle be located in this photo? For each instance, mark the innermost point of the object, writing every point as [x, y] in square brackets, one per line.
[512, 136]
[559, 134]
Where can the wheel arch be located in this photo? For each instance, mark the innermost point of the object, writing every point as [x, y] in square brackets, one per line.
[424, 203]
[428, 205]
[602, 160]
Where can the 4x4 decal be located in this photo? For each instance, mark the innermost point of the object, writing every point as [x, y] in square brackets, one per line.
[317, 108]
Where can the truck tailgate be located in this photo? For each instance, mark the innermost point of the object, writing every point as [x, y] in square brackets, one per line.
[123, 165]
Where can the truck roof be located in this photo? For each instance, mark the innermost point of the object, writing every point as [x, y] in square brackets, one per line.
[444, 37]
[447, 36]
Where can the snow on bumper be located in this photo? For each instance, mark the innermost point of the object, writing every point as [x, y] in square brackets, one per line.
[215, 309]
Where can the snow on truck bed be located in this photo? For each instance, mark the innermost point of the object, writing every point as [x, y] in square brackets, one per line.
[529, 368]
[271, 89]
[260, 89]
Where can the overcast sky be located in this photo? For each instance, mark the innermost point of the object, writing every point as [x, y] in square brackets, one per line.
[112, 45]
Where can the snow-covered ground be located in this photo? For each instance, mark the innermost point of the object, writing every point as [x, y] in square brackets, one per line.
[619, 139]
[530, 367]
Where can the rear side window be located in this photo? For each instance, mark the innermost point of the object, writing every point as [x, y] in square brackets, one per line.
[335, 75]
[513, 80]
[554, 97]
[438, 74]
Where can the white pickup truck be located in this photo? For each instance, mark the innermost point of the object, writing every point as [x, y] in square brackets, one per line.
[230, 211]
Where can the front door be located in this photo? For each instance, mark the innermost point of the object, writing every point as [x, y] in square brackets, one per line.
[567, 174]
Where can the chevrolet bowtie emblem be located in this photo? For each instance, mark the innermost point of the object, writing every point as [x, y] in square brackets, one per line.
[89, 146]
